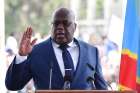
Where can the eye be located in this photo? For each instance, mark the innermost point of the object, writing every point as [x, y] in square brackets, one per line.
[56, 23]
[67, 23]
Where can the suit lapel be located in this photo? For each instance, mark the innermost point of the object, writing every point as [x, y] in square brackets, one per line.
[54, 63]
[81, 60]
[53, 58]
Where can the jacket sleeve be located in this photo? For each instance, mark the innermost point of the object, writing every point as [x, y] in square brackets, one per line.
[100, 83]
[18, 75]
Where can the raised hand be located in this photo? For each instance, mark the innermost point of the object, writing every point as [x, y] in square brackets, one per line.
[26, 44]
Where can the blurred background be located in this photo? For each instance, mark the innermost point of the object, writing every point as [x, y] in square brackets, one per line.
[100, 23]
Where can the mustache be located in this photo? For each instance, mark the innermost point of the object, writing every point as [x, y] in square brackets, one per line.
[60, 31]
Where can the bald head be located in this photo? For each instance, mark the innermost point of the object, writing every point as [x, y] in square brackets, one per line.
[64, 13]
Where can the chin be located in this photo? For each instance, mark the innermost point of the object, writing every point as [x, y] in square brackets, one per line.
[61, 41]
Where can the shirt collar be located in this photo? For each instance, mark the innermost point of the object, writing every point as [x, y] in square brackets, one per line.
[71, 44]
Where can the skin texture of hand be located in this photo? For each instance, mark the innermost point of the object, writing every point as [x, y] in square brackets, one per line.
[26, 44]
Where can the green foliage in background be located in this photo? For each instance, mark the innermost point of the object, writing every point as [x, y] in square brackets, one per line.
[82, 9]
[99, 9]
[20, 14]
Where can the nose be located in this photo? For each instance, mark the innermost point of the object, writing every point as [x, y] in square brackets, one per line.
[60, 26]
[60, 29]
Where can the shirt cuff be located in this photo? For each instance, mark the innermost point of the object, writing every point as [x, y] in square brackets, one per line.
[20, 59]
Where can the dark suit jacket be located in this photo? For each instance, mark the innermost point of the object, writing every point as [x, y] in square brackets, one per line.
[42, 59]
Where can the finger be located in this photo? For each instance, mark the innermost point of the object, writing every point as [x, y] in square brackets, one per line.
[33, 42]
[29, 32]
[25, 37]
[24, 34]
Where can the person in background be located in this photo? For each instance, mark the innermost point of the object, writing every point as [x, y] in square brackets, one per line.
[11, 48]
[11, 44]
[60, 62]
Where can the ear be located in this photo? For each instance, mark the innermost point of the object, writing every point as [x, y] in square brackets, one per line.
[75, 26]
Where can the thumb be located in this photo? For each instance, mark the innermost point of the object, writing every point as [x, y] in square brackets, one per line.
[33, 42]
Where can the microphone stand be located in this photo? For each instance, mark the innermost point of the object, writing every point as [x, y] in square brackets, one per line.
[50, 78]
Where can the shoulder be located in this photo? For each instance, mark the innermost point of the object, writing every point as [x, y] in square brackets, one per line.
[87, 48]
[86, 45]
[42, 45]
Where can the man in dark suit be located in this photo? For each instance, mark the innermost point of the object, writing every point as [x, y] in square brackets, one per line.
[49, 67]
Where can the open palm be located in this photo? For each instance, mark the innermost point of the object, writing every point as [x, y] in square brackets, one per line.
[26, 44]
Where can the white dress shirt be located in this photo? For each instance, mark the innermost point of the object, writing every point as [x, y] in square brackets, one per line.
[73, 50]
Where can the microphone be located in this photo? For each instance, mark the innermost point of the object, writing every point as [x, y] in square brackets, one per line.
[66, 85]
[92, 68]
[68, 79]
[91, 79]
[50, 79]
[67, 82]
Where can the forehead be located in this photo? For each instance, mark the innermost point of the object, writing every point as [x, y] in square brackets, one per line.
[63, 15]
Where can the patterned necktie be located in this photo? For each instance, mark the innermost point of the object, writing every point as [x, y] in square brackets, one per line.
[68, 63]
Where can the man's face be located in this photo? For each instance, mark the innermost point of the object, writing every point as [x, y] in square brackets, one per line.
[63, 28]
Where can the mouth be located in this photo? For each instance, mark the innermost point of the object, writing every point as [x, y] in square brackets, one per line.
[60, 35]
[60, 38]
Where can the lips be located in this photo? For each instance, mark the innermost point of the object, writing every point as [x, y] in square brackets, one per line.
[60, 35]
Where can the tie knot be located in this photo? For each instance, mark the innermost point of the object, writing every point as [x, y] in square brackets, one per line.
[63, 47]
